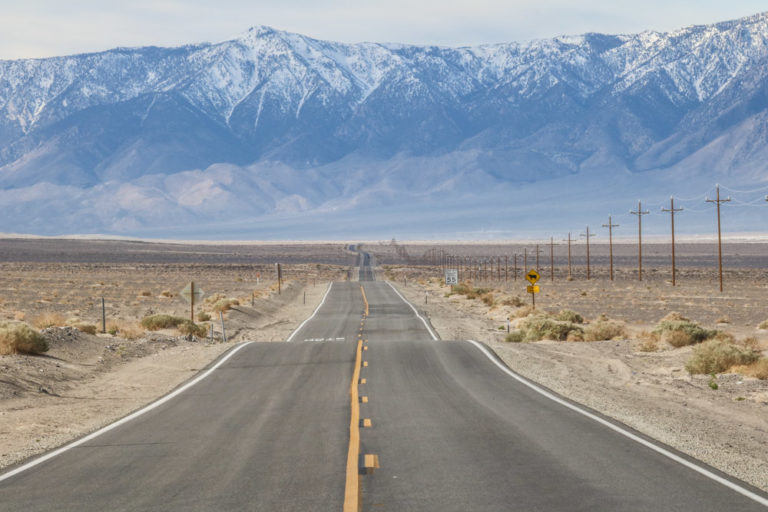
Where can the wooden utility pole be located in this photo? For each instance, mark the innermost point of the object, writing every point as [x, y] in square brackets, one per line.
[514, 271]
[538, 252]
[587, 235]
[552, 259]
[498, 268]
[569, 256]
[506, 269]
[717, 201]
[610, 227]
[639, 214]
[525, 259]
[672, 211]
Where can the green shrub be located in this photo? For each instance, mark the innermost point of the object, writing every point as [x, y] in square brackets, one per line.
[567, 315]
[157, 322]
[203, 316]
[680, 333]
[763, 325]
[515, 337]
[717, 356]
[18, 337]
[188, 328]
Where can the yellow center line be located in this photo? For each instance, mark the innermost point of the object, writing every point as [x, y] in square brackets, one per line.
[352, 502]
[365, 301]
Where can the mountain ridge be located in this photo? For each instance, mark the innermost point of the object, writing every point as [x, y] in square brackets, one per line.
[294, 120]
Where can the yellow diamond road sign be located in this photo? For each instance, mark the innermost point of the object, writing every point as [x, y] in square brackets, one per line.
[532, 276]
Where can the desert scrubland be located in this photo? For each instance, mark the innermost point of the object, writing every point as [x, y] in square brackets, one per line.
[636, 371]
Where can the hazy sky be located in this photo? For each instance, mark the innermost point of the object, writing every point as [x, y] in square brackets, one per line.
[42, 28]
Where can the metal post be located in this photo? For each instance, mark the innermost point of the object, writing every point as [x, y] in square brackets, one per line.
[223, 332]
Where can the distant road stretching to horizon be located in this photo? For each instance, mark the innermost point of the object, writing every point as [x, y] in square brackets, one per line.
[268, 428]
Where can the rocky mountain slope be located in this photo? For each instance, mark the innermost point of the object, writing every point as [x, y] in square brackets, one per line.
[275, 125]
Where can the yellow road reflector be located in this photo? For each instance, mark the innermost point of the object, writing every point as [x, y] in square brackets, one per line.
[365, 363]
[365, 348]
[364, 399]
[371, 462]
[363, 381]
[367, 423]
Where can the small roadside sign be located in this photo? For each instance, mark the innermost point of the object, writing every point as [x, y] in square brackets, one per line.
[532, 276]
[451, 276]
[533, 288]
[192, 291]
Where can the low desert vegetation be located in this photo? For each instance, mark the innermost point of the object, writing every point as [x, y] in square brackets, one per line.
[605, 329]
[127, 330]
[763, 325]
[86, 328]
[567, 315]
[224, 305]
[157, 322]
[679, 331]
[203, 316]
[566, 325]
[21, 338]
[46, 320]
[719, 355]
[189, 328]
[758, 369]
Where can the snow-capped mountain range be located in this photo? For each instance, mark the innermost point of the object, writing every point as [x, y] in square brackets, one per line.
[281, 130]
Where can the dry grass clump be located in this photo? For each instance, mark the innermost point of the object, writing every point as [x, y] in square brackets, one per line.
[717, 356]
[189, 328]
[157, 322]
[470, 292]
[167, 294]
[46, 320]
[758, 369]
[515, 302]
[567, 315]
[679, 331]
[763, 325]
[203, 316]
[86, 328]
[19, 316]
[650, 342]
[605, 329]
[224, 305]
[543, 327]
[127, 330]
[145, 293]
[21, 338]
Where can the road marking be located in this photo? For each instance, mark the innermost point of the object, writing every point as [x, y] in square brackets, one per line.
[426, 324]
[290, 338]
[364, 399]
[112, 426]
[371, 463]
[367, 423]
[365, 301]
[352, 486]
[365, 363]
[658, 449]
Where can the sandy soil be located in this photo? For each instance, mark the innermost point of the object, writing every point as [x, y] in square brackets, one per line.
[648, 391]
[87, 381]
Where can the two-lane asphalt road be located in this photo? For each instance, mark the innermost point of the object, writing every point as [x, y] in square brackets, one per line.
[268, 429]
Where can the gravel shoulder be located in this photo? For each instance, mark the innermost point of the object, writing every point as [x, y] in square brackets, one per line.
[648, 391]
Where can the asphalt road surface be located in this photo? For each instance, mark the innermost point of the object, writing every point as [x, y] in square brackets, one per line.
[267, 430]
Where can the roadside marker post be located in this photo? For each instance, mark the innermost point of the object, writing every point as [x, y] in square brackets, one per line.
[191, 292]
[103, 316]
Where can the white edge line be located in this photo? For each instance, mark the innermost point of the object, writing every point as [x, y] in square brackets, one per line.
[426, 324]
[290, 338]
[122, 421]
[690, 465]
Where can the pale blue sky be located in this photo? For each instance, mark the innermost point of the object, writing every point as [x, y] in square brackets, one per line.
[42, 28]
